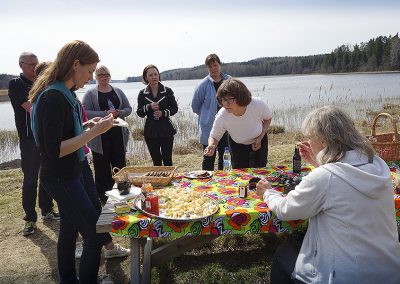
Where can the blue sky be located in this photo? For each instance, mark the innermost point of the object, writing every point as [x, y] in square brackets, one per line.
[171, 34]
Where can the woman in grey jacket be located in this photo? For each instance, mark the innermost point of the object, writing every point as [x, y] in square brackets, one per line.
[109, 149]
[348, 198]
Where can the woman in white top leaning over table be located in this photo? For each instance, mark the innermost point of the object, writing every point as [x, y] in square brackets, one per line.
[246, 120]
[348, 199]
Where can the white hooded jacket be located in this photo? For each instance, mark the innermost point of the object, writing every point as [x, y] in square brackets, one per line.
[352, 233]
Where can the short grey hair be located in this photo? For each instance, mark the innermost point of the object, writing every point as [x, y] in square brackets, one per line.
[26, 54]
[337, 129]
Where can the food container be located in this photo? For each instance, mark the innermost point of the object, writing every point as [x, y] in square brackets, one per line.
[123, 187]
[156, 175]
[242, 191]
[121, 208]
[151, 203]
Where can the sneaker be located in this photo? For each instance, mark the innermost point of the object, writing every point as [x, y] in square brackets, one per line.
[117, 251]
[78, 250]
[51, 216]
[29, 228]
[105, 279]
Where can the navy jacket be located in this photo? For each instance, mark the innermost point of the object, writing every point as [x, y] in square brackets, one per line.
[163, 127]
[18, 91]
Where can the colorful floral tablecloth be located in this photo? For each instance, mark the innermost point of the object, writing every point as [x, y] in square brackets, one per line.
[235, 216]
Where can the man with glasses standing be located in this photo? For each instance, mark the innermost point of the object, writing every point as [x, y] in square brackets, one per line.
[18, 91]
[205, 105]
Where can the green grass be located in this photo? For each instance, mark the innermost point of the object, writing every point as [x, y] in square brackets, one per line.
[33, 259]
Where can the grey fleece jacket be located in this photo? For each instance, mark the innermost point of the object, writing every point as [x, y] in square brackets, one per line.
[90, 102]
[352, 233]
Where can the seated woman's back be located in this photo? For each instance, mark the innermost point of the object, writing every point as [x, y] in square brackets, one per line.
[353, 233]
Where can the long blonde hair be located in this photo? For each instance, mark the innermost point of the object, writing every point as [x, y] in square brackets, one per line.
[337, 129]
[62, 68]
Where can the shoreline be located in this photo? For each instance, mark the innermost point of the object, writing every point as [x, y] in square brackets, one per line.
[4, 92]
[13, 164]
[4, 95]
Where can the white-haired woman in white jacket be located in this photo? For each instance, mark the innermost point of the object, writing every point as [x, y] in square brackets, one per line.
[348, 198]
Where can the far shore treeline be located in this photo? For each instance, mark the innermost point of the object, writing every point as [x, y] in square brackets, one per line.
[378, 54]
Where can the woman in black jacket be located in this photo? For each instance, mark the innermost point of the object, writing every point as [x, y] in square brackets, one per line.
[157, 103]
[58, 131]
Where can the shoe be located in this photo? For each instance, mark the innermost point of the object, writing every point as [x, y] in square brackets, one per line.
[51, 216]
[117, 251]
[78, 250]
[105, 279]
[29, 228]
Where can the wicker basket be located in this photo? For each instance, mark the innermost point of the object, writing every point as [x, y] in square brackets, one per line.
[387, 145]
[138, 175]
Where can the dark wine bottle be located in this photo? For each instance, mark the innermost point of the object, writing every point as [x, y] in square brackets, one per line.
[296, 161]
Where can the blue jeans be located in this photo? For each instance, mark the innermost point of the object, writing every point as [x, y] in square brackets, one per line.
[90, 187]
[30, 164]
[78, 214]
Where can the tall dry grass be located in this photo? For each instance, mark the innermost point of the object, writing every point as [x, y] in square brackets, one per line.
[285, 119]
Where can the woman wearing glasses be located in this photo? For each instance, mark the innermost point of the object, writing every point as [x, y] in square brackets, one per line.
[246, 120]
[109, 149]
[348, 200]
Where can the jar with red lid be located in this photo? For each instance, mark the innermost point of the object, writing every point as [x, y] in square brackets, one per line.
[151, 203]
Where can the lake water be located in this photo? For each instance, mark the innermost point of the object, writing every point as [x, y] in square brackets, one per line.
[289, 97]
[277, 91]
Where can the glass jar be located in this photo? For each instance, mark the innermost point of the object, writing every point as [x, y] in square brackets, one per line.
[151, 203]
[242, 191]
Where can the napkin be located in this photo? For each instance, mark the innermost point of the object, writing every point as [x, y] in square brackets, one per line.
[133, 192]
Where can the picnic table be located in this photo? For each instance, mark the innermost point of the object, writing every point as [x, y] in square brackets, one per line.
[235, 216]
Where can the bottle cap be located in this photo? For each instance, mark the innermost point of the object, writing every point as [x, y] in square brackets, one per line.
[226, 148]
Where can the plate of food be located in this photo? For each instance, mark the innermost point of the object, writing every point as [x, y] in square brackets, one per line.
[180, 205]
[198, 174]
[120, 122]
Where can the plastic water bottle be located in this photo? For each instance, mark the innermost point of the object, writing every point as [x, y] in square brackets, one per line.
[227, 160]
[110, 105]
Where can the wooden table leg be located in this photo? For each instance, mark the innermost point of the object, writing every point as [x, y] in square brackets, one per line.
[146, 275]
[135, 261]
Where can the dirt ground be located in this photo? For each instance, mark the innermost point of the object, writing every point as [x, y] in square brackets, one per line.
[33, 259]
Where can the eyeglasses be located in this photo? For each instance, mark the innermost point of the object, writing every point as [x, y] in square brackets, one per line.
[103, 75]
[30, 64]
[227, 101]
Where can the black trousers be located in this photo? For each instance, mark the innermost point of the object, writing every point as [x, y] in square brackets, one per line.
[30, 164]
[113, 156]
[160, 150]
[283, 264]
[243, 156]
[208, 161]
